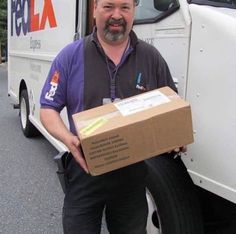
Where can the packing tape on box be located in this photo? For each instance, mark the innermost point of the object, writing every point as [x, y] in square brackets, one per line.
[87, 127]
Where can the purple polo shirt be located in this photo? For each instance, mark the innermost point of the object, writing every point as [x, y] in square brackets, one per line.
[65, 82]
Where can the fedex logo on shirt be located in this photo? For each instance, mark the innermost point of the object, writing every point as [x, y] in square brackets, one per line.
[25, 19]
[54, 83]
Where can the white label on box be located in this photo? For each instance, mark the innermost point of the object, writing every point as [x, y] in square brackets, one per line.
[142, 102]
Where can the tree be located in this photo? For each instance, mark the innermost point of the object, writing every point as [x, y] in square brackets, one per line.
[3, 26]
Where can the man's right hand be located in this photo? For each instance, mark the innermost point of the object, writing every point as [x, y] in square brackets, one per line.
[73, 144]
[54, 124]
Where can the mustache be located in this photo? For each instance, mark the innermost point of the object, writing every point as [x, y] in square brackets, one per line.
[120, 22]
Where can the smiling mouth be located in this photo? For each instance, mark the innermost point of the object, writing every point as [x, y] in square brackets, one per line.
[115, 25]
[112, 23]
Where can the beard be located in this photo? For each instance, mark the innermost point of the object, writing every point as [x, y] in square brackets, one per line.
[115, 34]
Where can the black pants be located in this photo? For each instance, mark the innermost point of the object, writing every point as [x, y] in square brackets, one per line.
[121, 194]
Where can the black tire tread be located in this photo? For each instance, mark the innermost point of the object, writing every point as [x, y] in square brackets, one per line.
[175, 196]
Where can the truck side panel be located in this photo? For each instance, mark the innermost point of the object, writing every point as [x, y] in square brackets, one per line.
[38, 31]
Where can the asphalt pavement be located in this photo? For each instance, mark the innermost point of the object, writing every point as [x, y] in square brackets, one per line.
[30, 194]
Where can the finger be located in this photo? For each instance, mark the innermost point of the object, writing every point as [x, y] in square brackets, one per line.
[183, 149]
[177, 150]
[82, 163]
[78, 155]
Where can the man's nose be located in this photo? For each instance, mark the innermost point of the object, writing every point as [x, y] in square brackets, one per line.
[116, 14]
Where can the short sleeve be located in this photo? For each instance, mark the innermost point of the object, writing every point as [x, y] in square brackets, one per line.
[53, 94]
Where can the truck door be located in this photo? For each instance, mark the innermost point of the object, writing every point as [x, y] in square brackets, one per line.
[84, 18]
[211, 92]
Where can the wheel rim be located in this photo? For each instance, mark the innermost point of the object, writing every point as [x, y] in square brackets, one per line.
[23, 113]
[153, 221]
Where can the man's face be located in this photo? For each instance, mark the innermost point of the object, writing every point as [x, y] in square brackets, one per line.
[114, 19]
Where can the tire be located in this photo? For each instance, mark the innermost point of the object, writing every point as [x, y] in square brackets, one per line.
[27, 127]
[172, 198]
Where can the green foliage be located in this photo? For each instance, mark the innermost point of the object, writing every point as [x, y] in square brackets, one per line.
[3, 22]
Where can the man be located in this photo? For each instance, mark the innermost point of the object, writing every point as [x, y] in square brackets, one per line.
[107, 65]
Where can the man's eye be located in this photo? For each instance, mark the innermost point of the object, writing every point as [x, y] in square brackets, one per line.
[125, 8]
[107, 7]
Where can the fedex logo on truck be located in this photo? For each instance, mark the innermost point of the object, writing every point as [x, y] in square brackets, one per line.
[25, 19]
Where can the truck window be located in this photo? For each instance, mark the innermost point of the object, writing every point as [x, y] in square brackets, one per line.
[150, 11]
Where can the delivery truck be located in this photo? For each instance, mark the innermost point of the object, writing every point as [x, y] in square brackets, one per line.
[197, 39]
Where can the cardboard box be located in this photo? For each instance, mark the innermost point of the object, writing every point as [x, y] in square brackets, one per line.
[134, 129]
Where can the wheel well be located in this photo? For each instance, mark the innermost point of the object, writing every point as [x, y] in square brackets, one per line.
[22, 87]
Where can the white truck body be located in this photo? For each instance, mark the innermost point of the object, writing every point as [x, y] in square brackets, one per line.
[198, 43]
[31, 54]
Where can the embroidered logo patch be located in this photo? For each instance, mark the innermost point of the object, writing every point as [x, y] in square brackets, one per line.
[139, 82]
[54, 84]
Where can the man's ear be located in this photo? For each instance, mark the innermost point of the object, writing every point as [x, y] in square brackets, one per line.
[94, 8]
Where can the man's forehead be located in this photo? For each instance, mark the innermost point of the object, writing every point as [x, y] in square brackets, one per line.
[116, 1]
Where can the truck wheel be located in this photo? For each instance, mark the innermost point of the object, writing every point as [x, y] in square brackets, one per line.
[173, 204]
[28, 128]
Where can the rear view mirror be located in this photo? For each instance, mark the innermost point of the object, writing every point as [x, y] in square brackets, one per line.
[163, 5]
